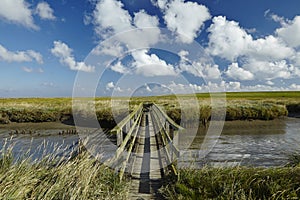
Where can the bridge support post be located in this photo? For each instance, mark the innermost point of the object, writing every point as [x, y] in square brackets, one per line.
[167, 126]
[175, 138]
[119, 134]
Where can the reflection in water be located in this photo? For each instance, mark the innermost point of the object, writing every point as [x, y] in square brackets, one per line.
[39, 146]
[250, 143]
[48, 143]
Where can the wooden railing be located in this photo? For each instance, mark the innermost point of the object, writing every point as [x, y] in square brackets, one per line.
[123, 127]
[127, 130]
[129, 126]
[168, 132]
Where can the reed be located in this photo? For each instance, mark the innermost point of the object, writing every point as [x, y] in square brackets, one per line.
[240, 106]
[82, 177]
[234, 183]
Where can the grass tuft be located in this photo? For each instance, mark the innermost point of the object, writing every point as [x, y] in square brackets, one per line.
[234, 183]
[80, 178]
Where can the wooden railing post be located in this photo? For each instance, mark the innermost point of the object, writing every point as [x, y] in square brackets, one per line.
[175, 138]
[119, 137]
[166, 126]
[171, 131]
[127, 126]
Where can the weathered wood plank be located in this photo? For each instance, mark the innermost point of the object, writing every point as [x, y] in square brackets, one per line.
[150, 137]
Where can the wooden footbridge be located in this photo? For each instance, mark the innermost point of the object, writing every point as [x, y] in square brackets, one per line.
[146, 152]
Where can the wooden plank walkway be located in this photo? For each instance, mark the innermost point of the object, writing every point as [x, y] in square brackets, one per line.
[146, 150]
[147, 169]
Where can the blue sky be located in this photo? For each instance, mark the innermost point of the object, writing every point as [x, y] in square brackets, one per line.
[254, 45]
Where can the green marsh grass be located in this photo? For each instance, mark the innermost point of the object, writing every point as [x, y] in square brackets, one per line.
[240, 106]
[234, 183]
[82, 177]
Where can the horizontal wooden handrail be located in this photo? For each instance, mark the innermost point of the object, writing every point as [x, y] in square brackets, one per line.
[170, 142]
[170, 121]
[128, 136]
[121, 124]
[122, 170]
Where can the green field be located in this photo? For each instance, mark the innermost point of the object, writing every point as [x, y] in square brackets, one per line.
[240, 106]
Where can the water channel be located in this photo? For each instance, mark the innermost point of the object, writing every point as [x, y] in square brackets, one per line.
[246, 143]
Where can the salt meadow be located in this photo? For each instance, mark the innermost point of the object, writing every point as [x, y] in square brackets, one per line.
[83, 177]
[240, 106]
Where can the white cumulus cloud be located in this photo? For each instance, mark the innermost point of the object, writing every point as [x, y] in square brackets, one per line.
[151, 65]
[109, 18]
[111, 86]
[119, 67]
[265, 70]
[160, 3]
[289, 32]
[237, 73]
[233, 86]
[294, 87]
[20, 56]
[198, 68]
[143, 20]
[264, 58]
[296, 59]
[18, 12]
[110, 15]
[269, 48]
[270, 83]
[64, 53]
[44, 10]
[227, 39]
[184, 18]
[230, 41]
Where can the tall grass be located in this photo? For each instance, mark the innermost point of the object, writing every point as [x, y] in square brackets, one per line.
[240, 106]
[80, 178]
[234, 183]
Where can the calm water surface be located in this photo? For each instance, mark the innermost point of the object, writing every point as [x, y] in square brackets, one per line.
[251, 143]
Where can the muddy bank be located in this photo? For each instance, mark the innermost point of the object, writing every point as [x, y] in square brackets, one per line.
[37, 126]
[14, 116]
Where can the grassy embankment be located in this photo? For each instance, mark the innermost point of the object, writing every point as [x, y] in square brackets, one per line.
[83, 177]
[51, 110]
[240, 106]
[234, 183]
